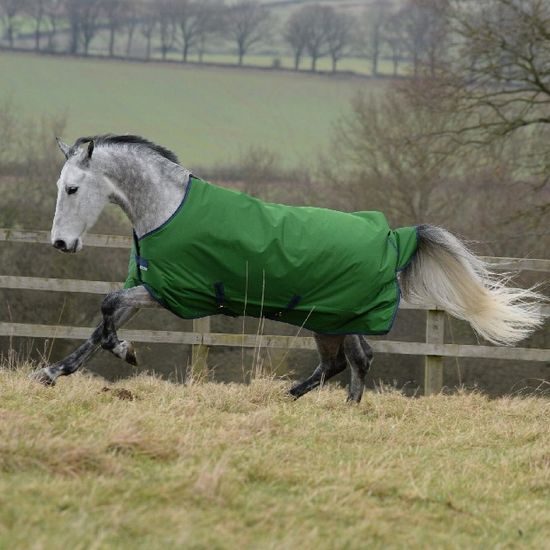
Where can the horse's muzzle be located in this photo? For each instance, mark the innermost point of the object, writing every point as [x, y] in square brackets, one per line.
[61, 245]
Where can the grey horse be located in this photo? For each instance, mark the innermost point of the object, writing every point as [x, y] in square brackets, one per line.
[148, 183]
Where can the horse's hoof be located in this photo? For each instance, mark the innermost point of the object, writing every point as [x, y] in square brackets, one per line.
[354, 399]
[43, 377]
[295, 392]
[124, 350]
[131, 356]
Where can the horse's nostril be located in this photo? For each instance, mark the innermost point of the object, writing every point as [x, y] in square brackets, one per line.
[60, 244]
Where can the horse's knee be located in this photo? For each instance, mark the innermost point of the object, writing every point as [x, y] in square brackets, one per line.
[110, 304]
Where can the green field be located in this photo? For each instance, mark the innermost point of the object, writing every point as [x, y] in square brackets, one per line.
[206, 115]
[150, 464]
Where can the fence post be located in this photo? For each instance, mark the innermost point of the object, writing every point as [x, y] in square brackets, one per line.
[433, 365]
[199, 352]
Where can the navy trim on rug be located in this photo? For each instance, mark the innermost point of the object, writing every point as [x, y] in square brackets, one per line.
[191, 177]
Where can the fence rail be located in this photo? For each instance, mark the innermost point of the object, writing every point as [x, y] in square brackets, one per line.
[271, 341]
[434, 349]
[119, 241]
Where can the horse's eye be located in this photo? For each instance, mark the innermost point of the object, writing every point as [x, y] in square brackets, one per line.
[72, 190]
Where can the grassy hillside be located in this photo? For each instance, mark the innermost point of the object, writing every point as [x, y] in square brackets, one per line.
[150, 464]
[207, 115]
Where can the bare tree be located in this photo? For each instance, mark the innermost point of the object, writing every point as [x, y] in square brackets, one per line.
[149, 20]
[496, 78]
[371, 38]
[317, 19]
[114, 11]
[55, 10]
[437, 41]
[378, 148]
[72, 12]
[211, 22]
[83, 16]
[424, 27]
[465, 143]
[130, 22]
[500, 69]
[339, 36]
[167, 29]
[295, 35]
[9, 9]
[90, 11]
[246, 23]
[393, 37]
[389, 156]
[188, 21]
[36, 9]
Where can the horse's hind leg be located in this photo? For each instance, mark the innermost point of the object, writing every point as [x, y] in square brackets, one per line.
[333, 361]
[82, 354]
[360, 356]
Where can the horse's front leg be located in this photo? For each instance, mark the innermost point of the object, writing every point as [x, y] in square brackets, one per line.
[82, 354]
[114, 303]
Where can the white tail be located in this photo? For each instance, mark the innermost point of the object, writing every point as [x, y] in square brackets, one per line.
[446, 273]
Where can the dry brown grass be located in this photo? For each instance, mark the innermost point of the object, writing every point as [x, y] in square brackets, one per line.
[225, 466]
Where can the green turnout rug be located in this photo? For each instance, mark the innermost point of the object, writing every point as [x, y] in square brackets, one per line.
[227, 252]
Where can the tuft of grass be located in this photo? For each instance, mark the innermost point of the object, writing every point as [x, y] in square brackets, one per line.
[225, 466]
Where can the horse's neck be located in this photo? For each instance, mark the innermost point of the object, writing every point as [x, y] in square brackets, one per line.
[149, 188]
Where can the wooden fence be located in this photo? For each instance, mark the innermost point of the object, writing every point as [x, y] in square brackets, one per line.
[433, 348]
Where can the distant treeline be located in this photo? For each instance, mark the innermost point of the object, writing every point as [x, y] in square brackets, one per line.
[403, 31]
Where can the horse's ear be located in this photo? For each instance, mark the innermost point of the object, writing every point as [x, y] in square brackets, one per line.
[65, 149]
[91, 146]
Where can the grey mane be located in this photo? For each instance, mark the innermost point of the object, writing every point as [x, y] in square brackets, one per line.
[138, 141]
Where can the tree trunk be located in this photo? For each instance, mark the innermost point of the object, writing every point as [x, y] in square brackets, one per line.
[185, 52]
[433, 62]
[313, 63]
[112, 42]
[297, 57]
[148, 50]
[129, 41]
[375, 49]
[73, 44]
[37, 34]
[10, 34]
[334, 61]
[395, 65]
[51, 35]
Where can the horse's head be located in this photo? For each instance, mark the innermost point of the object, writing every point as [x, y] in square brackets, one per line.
[82, 193]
